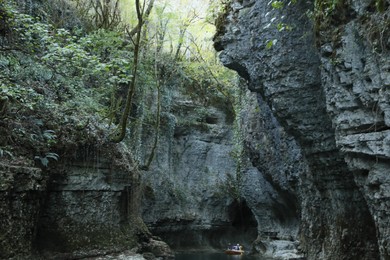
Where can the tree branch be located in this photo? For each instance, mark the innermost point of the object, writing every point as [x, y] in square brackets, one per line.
[146, 15]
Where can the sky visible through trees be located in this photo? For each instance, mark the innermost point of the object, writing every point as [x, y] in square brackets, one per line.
[184, 21]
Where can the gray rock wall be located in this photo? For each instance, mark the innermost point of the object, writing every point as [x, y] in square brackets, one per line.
[323, 103]
[279, 165]
[86, 208]
[21, 191]
[194, 197]
[187, 198]
[356, 80]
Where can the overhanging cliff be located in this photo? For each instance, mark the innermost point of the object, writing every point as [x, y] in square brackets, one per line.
[334, 103]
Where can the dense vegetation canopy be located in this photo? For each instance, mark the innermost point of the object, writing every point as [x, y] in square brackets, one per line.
[82, 72]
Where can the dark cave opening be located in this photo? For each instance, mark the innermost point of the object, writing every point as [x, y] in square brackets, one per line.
[241, 215]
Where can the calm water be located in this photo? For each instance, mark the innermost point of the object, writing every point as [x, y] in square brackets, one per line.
[214, 256]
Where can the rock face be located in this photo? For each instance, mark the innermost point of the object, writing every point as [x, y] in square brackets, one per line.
[279, 164]
[21, 192]
[188, 192]
[90, 205]
[86, 207]
[358, 100]
[194, 197]
[334, 104]
[79, 208]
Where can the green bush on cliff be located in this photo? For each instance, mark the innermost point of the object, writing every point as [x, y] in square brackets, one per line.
[61, 77]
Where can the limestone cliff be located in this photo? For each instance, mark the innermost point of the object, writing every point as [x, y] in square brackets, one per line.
[189, 196]
[21, 192]
[316, 132]
[195, 197]
[334, 102]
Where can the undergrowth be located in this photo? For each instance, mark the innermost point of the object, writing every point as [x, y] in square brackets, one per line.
[72, 83]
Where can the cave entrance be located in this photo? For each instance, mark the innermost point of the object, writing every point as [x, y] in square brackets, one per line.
[241, 215]
[243, 225]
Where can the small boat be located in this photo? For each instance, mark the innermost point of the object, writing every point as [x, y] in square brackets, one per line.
[234, 252]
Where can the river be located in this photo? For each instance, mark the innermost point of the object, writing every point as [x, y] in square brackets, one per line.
[214, 256]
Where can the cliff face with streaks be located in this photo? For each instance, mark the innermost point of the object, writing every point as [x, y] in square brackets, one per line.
[194, 197]
[330, 93]
[21, 192]
[316, 134]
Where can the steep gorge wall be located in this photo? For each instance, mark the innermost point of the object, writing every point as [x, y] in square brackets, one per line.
[345, 188]
[81, 207]
[356, 80]
[187, 196]
[194, 197]
[279, 161]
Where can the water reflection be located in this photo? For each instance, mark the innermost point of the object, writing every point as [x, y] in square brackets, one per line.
[214, 256]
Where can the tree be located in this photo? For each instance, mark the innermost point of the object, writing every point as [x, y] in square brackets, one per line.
[144, 17]
[186, 22]
[106, 13]
[135, 35]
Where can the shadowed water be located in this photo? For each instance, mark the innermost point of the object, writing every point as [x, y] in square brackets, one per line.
[214, 256]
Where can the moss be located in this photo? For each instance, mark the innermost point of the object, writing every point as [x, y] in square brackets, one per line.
[148, 192]
[330, 16]
[377, 28]
[4, 21]
[327, 15]
[380, 5]
[220, 25]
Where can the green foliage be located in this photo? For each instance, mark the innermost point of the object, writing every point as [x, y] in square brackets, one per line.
[277, 4]
[216, 8]
[239, 152]
[330, 14]
[283, 26]
[270, 43]
[49, 136]
[77, 78]
[326, 8]
[232, 186]
[221, 17]
[96, 59]
[380, 5]
[32, 33]
[25, 97]
[44, 160]
[276, 22]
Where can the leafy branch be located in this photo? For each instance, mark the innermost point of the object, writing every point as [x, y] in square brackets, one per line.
[44, 160]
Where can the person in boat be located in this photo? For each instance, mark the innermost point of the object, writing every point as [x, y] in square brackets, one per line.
[229, 246]
[235, 250]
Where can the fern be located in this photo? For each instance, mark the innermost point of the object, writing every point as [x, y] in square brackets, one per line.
[49, 135]
[4, 153]
[45, 160]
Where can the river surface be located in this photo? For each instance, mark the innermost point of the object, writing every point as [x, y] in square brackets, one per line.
[214, 256]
